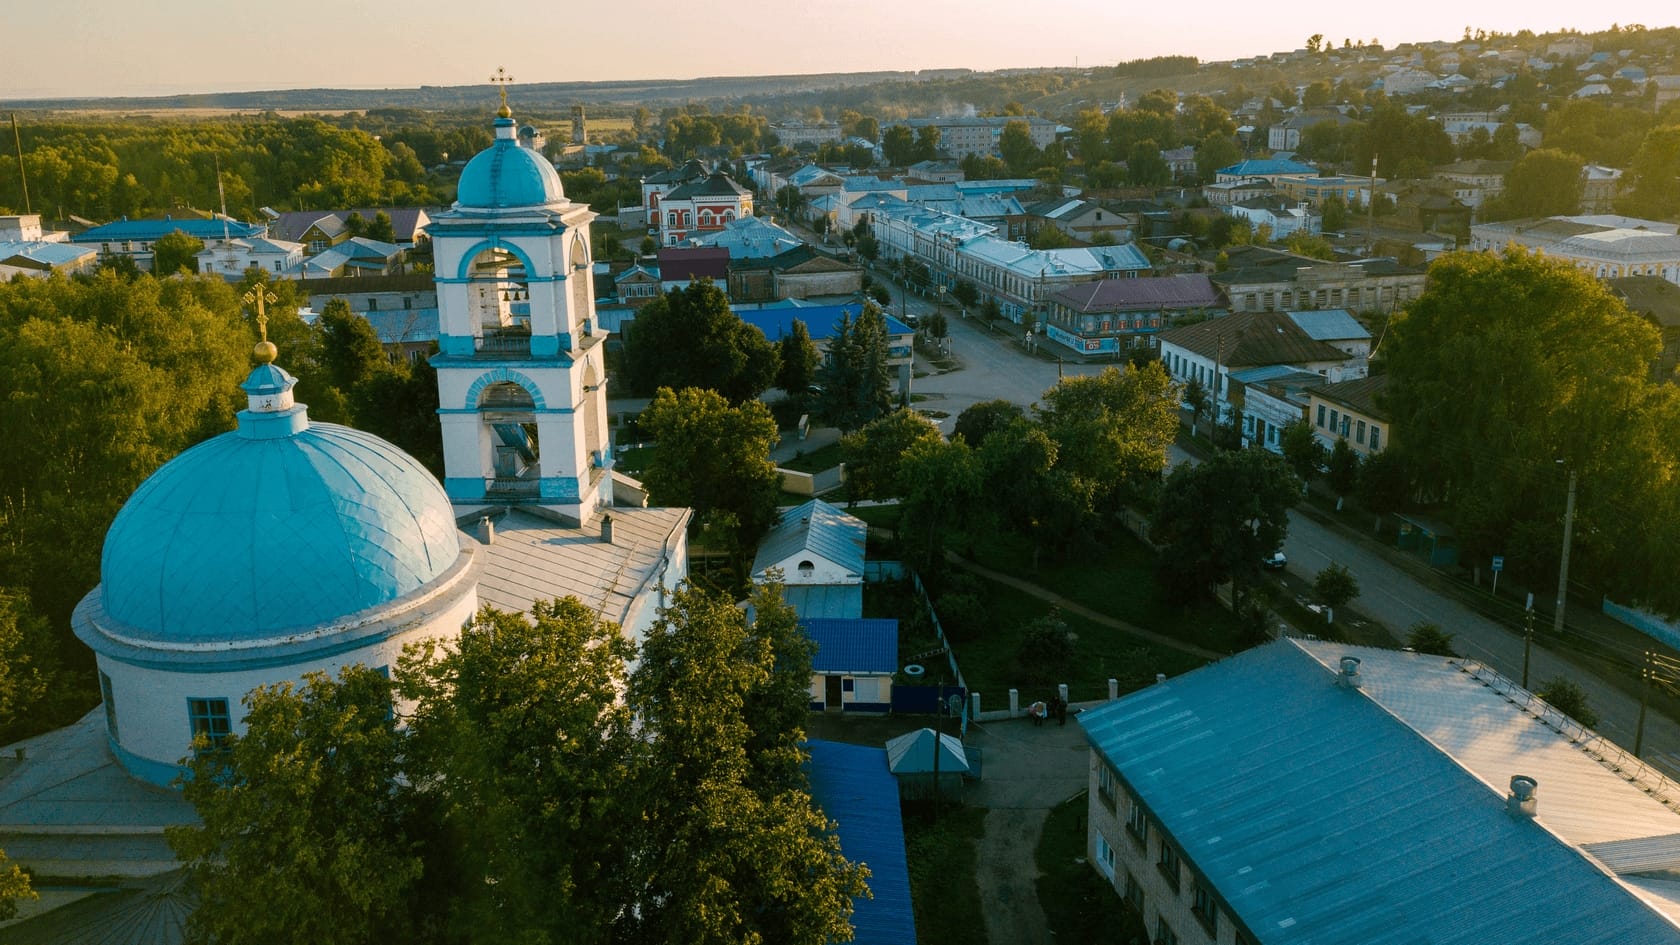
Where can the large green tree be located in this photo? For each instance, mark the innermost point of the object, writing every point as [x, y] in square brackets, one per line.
[1217, 519]
[526, 750]
[723, 856]
[14, 887]
[799, 361]
[305, 835]
[1112, 429]
[1655, 175]
[690, 338]
[1542, 183]
[714, 458]
[872, 454]
[854, 377]
[1511, 372]
[175, 252]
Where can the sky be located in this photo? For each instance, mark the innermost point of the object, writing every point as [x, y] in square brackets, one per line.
[61, 48]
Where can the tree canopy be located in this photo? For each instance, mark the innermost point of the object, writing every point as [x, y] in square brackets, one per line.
[714, 458]
[690, 338]
[873, 454]
[1511, 372]
[856, 383]
[1217, 519]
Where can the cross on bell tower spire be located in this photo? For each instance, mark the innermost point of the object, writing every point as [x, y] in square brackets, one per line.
[502, 79]
[260, 295]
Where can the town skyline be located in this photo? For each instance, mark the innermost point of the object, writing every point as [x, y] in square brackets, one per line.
[84, 49]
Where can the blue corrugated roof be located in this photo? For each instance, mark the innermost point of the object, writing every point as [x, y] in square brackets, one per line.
[853, 787]
[1330, 324]
[1319, 816]
[1261, 168]
[854, 645]
[129, 230]
[820, 320]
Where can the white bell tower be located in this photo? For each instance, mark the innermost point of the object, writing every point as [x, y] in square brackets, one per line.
[521, 366]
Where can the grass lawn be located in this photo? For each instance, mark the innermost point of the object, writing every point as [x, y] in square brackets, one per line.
[1117, 580]
[991, 665]
[633, 461]
[817, 460]
[1081, 906]
[942, 859]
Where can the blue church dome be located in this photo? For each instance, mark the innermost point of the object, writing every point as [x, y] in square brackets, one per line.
[278, 526]
[508, 175]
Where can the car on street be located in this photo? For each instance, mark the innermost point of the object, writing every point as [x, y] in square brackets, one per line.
[1274, 561]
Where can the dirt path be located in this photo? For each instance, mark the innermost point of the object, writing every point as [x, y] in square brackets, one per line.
[1043, 593]
[1008, 877]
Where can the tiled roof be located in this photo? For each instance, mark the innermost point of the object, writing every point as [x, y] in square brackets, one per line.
[678, 263]
[1247, 339]
[717, 184]
[1650, 295]
[853, 645]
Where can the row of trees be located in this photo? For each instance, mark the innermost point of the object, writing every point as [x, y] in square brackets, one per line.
[1094, 444]
[526, 784]
[102, 171]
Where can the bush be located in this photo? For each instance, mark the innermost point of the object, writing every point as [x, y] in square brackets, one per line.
[1046, 647]
[1570, 699]
[962, 615]
[1425, 637]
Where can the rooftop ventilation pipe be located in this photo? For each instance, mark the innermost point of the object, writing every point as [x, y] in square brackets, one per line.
[487, 530]
[1349, 677]
[606, 529]
[1521, 802]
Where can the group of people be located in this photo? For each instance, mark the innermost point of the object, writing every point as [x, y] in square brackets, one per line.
[1056, 708]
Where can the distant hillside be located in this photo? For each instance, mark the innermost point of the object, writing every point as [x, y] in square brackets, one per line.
[651, 92]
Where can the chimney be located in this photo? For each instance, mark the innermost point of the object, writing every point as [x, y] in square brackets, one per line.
[606, 529]
[1349, 678]
[487, 530]
[1521, 802]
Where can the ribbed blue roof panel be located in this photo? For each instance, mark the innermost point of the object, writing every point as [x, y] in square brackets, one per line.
[506, 175]
[853, 787]
[854, 645]
[240, 538]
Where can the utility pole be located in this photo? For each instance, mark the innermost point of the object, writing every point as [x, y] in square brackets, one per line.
[1371, 210]
[1645, 673]
[1528, 637]
[1563, 563]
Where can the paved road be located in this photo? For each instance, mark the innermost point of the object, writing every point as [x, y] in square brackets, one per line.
[1392, 595]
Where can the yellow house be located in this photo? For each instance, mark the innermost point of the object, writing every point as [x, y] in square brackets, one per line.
[1350, 410]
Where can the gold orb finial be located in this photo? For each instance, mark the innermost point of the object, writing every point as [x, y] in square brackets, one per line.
[265, 352]
[501, 78]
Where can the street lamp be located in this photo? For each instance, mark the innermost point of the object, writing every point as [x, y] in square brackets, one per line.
[1563, 562]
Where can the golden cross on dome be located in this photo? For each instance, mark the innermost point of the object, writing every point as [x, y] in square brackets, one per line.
[261, 296]
[501, 78]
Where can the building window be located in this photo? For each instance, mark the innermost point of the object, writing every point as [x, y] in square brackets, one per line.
[373, 305]
[1133, 893]
[1359, 435]
[1163, 932]
[1335, 421]
[1168, 863]
[1105, 785]
[1105, 857]
[848, 684]
[1205, 909]
[110, 706]
[209, 717]
[1137, 822]
[1376, 438]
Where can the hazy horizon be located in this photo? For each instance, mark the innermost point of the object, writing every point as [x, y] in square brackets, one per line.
[83, 48]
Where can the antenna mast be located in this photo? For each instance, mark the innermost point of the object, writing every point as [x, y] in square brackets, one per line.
[227, 240]
[23, 178]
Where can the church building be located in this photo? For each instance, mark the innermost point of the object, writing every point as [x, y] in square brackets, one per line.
[287, 546]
